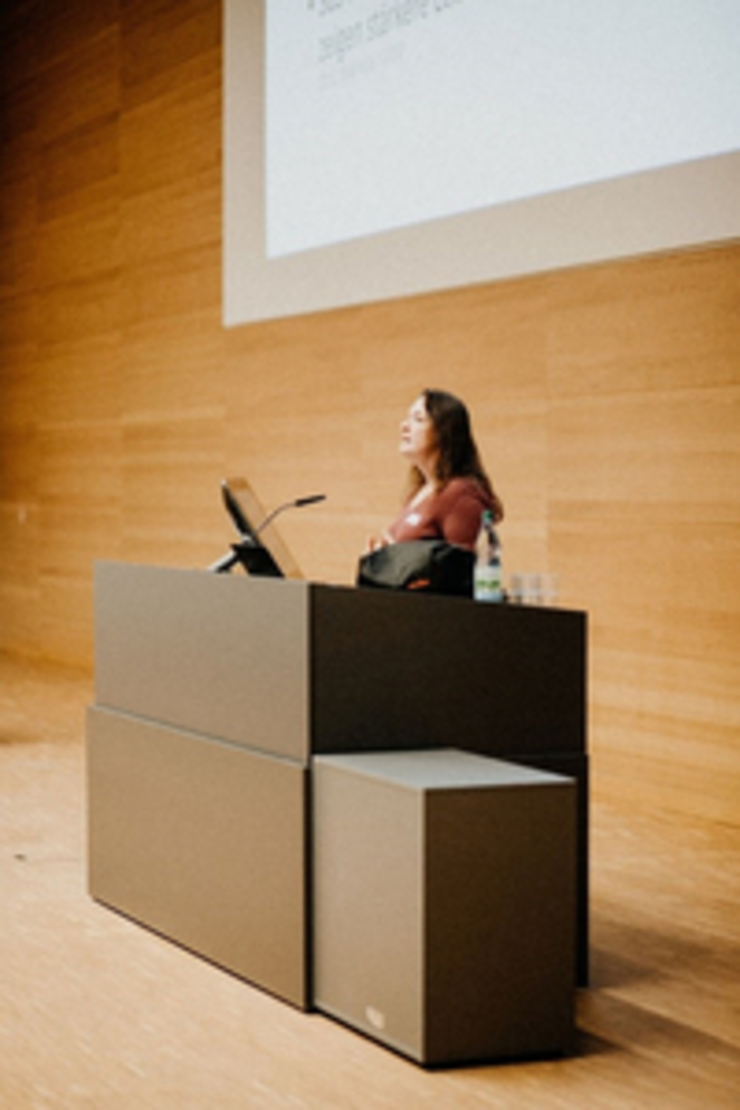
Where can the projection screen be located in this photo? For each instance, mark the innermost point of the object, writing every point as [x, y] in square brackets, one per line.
[383, 148]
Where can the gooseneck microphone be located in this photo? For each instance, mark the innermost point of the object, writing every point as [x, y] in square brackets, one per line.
[299, 503]
[248, 535]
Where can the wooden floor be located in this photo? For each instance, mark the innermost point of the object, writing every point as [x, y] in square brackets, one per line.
[96, 1012]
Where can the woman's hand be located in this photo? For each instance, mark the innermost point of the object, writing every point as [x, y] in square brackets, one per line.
[374, 543]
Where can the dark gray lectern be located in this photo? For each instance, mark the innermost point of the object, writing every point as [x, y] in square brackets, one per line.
[213, 694]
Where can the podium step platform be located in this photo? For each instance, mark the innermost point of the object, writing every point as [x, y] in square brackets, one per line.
[444, 909]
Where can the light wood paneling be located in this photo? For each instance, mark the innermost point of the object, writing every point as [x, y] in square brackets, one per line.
[645, 473]
[605, 399]
[79, 80]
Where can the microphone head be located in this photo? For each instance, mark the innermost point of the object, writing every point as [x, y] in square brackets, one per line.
[312, 499]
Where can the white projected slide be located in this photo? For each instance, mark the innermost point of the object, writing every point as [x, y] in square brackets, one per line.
[381, 115]
[378, 148]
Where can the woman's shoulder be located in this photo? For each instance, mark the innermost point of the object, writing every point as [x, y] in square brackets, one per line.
[467, 487]
[459, 510]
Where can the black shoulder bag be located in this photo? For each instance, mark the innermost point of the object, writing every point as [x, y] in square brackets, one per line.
[430, 566]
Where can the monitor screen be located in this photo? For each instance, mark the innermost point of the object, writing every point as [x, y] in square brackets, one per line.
[260, 549]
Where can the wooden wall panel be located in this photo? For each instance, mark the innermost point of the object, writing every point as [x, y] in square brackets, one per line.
[645, 469]
[605, 399]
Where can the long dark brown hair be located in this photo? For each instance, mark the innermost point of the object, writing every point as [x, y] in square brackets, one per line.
[457, 453]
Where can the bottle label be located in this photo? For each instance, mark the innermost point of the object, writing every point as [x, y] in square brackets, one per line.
[487, 584]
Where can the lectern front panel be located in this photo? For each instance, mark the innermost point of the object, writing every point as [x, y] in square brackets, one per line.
[399, 670]
[204, 842]
[222, 655]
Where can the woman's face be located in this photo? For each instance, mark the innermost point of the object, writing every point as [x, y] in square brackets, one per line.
[417, 435]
